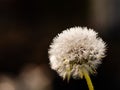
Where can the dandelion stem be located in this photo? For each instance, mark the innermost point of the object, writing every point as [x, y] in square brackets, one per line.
[88, 80]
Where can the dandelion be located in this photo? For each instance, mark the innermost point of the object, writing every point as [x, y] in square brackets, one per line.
[76, 53]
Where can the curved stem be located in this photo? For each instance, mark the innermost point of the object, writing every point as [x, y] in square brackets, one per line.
[88, 80]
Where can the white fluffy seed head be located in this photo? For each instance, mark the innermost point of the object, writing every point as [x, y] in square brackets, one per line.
[74, 50]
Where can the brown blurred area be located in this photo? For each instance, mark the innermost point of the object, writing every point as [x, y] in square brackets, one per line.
[27, 28]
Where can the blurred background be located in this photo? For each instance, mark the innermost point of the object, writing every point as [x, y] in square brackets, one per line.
[27, 28]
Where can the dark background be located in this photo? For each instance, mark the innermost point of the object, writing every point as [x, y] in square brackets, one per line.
[27, 28]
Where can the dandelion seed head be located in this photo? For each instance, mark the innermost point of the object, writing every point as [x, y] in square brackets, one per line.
[76, 49]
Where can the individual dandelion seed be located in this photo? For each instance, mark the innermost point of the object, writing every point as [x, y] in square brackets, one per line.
[76, 52]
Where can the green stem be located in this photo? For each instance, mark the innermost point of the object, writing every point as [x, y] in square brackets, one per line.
[88, 80]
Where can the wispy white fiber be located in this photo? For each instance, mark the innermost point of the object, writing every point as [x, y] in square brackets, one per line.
[76, 49]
